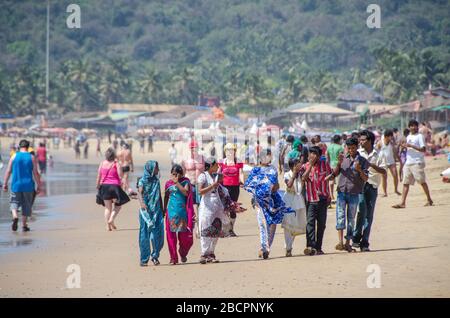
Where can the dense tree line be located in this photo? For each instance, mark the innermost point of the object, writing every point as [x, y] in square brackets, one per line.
[256, 55]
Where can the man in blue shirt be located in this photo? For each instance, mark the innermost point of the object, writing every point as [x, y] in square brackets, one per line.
[23, 167]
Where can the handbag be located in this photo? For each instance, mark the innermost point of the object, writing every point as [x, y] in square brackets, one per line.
[98, 197]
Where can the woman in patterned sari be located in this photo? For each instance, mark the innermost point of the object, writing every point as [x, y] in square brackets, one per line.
[214, 210]
[151, 216]
[179, 204]
[262, 183]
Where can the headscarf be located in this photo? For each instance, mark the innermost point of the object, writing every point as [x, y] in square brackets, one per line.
[151, 187]
[295, 153]
[259, 183]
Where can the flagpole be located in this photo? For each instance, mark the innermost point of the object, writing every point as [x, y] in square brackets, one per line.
[47, 54]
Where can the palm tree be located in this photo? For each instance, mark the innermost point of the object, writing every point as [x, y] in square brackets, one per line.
[150, 87]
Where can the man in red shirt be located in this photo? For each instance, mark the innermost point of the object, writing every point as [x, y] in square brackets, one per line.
[41, 153]
[315, 175]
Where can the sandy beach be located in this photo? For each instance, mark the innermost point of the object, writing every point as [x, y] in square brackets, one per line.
[409, 246]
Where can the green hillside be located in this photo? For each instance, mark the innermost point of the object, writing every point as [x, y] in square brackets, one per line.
[265, 53]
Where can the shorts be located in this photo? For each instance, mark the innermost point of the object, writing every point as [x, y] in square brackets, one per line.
[42, 166]
[126, 169]
[22, 200]
[413, 173]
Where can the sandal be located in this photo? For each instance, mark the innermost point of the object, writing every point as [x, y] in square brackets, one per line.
[340, 247]
[26, 229]
[349, 248]
[155, 262]
[14, 224]
[398, 206]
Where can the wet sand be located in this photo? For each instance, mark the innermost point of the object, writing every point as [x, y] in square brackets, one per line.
[410, 246]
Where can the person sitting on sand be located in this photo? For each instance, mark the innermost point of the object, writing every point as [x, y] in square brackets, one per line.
[151, 215]
[414, 169]
[111, 194]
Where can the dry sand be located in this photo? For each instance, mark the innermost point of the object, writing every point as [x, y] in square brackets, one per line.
[410, 246]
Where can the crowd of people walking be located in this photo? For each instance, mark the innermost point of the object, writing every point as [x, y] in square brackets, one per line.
[201, 197]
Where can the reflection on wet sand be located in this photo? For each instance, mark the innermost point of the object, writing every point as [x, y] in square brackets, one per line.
[61, 180]
[16, 242]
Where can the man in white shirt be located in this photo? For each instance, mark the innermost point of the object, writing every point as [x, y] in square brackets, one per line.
[413, 169]
[368, 197]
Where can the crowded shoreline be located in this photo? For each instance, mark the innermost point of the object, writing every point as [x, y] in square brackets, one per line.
[407, 245]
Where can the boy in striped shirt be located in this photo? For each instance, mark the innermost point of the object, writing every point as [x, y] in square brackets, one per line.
[315, 175]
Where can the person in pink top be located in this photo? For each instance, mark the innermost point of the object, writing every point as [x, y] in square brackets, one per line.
[233, 177]
[41, 153]
[110, 192]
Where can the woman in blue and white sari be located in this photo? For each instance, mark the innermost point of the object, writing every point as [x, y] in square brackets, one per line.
[151, 215]
[262, 183]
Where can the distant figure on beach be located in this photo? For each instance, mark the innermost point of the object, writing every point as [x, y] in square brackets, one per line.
[25, 184]
[179, 207]
[115, 144]
[86, 149]
[192, 168]
[110, 192]
[150, 143]
[414, 168]
[151, 214]
[77, 150]
[126, 162]
[41, 153]
[56, 141]
[402, 152]
[173, 154]
[284, 159]
[142, 144]
[98, 151]
[389, 154]
[262, 183]
[334, 150]
[213, 151]
[109, 136]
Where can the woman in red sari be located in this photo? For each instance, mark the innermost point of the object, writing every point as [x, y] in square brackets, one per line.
[179, 207]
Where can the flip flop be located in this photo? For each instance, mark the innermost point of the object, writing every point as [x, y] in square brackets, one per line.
[14, 225]
[398, 206]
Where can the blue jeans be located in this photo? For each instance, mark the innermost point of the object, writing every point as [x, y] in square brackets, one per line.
[367, 201]
[346, 206]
